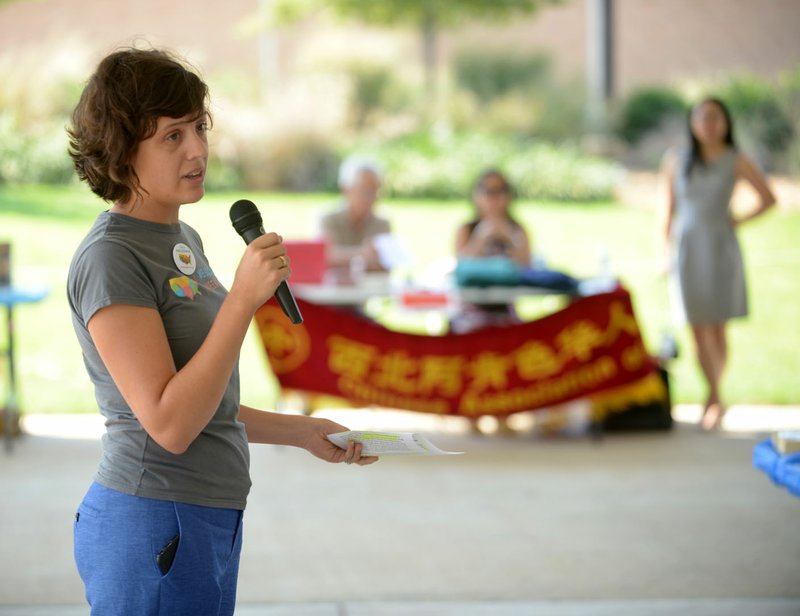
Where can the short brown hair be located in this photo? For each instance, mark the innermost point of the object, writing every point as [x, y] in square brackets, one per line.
[120, 107]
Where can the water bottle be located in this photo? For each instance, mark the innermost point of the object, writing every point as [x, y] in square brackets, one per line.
[668, 348]
[604, 265]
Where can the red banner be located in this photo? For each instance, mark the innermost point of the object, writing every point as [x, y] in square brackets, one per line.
[591, 346]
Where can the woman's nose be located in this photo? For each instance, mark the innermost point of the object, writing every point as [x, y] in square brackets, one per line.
[197, 146]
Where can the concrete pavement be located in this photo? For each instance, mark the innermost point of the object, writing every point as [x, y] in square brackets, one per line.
[533, 524]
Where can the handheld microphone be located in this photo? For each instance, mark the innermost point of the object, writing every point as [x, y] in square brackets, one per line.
[246, 220]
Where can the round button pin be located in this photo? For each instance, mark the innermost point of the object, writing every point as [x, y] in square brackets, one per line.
[184, 259]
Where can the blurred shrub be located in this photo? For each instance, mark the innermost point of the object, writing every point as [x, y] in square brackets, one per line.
[284, 141]
[789, 87]
[759, 111]
[492, 75]
[375, 92]
[514, 113]
[765, 114]
[646, 109]
[549, 172]
[295, 162]
[503, 92]
[305, 163]
[223, 173]
[445, 166]
[562, 111]
[38, 90]
[33, 156]
[370, 86]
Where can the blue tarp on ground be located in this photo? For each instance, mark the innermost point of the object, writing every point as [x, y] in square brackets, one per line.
[784, 470]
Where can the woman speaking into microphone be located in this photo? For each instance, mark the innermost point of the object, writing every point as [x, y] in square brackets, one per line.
[160, 528]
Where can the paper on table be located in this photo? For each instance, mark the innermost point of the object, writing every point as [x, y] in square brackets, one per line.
[389, 443]
[391, 252]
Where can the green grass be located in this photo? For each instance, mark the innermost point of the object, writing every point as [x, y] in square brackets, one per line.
[45, 225]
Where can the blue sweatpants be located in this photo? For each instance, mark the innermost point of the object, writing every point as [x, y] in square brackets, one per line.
[118, 538]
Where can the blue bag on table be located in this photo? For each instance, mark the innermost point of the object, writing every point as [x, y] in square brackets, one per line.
[503, 272]
[548, 279]
[487, 272]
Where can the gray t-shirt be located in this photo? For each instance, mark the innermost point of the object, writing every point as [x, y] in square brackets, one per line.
[123, 260]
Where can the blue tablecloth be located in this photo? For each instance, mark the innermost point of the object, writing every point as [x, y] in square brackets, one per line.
[10, 296]
[784, 470]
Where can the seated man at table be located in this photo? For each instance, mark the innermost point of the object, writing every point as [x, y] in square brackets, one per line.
[352, 230]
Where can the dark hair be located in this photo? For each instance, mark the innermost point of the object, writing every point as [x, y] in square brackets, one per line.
[120, 107]
[695, 158]
[478, 185]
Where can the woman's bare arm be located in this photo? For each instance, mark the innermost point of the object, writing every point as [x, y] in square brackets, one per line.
[748, 171]
[310, 433]
[173, 405]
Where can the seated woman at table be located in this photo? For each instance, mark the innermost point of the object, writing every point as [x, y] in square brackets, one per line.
[492, 232]
[351, 230]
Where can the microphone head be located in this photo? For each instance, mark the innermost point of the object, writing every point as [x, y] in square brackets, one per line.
[244, 215]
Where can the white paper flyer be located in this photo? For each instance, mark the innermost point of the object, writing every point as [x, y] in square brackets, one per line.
[389, 443]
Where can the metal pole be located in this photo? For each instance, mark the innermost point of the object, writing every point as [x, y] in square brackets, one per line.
[599, 62]
[10, 405]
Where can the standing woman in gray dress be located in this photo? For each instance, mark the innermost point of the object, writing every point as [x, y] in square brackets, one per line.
[705, 261]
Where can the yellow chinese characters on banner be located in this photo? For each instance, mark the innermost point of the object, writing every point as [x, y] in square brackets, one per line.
[591, 345]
